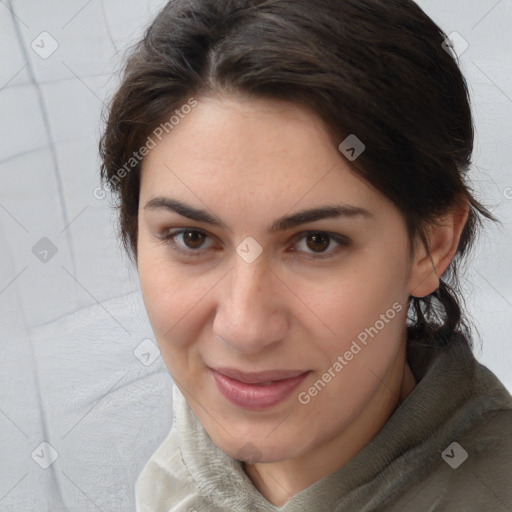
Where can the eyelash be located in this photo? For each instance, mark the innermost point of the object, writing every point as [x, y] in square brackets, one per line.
[168, 239]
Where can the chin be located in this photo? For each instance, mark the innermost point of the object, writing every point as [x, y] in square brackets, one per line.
[252, 452]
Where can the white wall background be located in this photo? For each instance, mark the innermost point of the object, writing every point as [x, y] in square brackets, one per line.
[71, 327]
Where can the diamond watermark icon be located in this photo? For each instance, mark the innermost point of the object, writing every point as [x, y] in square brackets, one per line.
[249, 453]
[44, 45]
[249, 249]
[455, 45]
[454, 455]
[44, 249]
[45, 455]
[352, 147]
[146, 352]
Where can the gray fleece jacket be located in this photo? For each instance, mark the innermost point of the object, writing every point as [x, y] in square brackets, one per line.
[446, 448]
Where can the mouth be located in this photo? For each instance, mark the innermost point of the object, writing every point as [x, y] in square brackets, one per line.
[259, 390]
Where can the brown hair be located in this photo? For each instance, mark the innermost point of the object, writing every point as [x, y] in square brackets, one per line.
[373, 68]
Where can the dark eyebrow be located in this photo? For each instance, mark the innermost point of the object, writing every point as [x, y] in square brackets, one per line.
[281, 224]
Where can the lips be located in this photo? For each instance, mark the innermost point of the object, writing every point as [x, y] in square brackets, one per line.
[259, 390]
[259, 377]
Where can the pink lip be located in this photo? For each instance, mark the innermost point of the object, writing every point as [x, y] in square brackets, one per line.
[250, 393]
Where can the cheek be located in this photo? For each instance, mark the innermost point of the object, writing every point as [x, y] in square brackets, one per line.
[171, 303]
[349, 302]
[363, 319]
[169, 294]
[368, 328]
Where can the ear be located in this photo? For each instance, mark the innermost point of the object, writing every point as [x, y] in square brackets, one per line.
[443, 237]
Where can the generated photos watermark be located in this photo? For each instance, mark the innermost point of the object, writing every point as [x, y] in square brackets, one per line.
[355, 348]
[137, 156]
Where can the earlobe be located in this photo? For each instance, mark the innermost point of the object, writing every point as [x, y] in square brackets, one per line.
[443, 239]
[424, 278]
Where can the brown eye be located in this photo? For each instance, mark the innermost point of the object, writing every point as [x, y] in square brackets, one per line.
[193, 239]
[187, 242]
[317, 245]
[318, 242]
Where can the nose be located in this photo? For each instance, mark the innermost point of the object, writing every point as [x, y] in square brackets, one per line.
[251, 315]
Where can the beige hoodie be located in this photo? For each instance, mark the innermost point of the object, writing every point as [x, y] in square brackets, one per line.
[447, 447]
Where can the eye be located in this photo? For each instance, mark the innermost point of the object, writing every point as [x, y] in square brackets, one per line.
[318, 242]
[191, 242]
[186, 241]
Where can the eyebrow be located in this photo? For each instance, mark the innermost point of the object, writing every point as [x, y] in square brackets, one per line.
[281, 224]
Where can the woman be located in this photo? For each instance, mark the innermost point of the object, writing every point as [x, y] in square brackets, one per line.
[292, 187]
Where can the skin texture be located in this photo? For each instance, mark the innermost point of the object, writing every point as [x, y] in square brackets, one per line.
[250, 161]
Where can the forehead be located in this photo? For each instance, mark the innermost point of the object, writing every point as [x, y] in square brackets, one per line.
[241, 133]
[243, 152]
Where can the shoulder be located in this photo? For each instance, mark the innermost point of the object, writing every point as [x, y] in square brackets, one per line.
[475, 468]
[473, 472]
[465, 459]
[484, 452]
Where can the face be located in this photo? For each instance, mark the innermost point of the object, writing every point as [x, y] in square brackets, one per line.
[234, 277]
